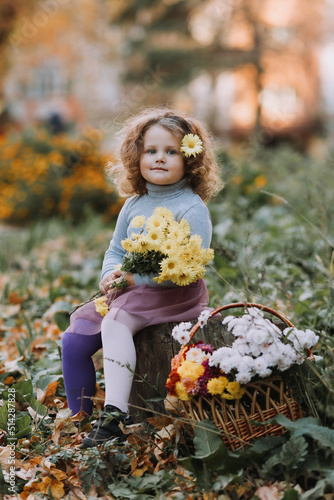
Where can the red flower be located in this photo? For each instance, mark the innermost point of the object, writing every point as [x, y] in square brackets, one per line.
[170, 385]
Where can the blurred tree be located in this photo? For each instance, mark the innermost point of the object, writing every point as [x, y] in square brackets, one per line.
[183, 38]
[161, 35]
[9, 13]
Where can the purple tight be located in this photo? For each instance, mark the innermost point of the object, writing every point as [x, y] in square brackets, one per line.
[78, 369]
[78, 348]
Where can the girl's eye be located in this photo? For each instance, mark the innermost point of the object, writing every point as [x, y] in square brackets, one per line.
[171, 152]
[151, 151]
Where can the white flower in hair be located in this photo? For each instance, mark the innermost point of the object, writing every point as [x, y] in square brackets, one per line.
[191, 145]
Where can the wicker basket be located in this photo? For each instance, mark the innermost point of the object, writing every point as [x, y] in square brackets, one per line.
[262, 400]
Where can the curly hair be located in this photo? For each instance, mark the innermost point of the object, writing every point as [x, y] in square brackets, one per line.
[201, 172]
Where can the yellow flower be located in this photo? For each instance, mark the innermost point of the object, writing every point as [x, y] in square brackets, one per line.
[101, 306]
[169, 269]
[181, 392]
[128, 244]
[138, 221]
[189, 274]
[142, 245]
[191, 145]
[217, 385]
[156, 222]
[191, 370]
[155, 236]
[185, 227]
[206, 256]
[234, 391]
[177, 232]
[195, 242]
[165, 213]
[169, 247]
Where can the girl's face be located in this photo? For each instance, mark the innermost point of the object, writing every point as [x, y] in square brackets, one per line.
[161, 161]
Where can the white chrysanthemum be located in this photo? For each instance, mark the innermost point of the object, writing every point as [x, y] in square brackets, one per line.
[254, 312]
[220, 354]
[300, 339]
[273, 329]
[197, 355]
[260, 363]
[266, 372]
[258, 335]
[228, 364]
[289, 352]
[243, 377]
[270, 358]
[241, 345]
[248, 362]
[312, 338]
[254, 349]
[232, 362]
[203, 317]
[227, 319]
[181, 332]
[286, 356]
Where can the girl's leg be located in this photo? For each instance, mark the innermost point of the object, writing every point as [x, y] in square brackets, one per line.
[78, 367]
[119, 362]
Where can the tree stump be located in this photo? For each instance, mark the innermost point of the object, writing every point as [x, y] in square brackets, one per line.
[155, 348]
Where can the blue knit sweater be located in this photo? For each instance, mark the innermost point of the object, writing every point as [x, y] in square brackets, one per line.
[180, 199]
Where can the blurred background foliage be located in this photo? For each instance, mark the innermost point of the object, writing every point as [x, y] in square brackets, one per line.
[256, 72]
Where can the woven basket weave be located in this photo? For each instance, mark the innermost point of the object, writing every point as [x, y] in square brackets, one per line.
[262, 400]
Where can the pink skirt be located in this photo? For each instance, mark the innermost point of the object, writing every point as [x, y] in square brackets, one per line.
[152, 304]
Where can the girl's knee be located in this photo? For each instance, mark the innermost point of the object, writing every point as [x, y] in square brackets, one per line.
[76, 345]
[69, 340]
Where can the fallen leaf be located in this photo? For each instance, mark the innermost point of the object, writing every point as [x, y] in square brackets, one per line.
[44, 485]
[160, 422]
[34, 414]
[50, 392]
[9, 311]
[271, 492]
[14, 298]
[63, 422]
[5, 453]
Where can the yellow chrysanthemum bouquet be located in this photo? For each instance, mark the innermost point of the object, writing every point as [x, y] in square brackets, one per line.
[165, 247]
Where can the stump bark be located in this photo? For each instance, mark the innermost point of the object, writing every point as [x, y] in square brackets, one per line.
[155, 348]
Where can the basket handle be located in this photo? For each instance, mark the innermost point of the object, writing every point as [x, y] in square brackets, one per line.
[244, 305]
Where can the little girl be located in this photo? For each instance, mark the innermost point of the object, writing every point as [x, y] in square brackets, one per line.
[157, 171]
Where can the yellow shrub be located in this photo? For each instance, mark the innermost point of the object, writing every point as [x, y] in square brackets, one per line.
[44, 176]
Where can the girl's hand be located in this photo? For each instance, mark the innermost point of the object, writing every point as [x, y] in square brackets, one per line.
[106, 283]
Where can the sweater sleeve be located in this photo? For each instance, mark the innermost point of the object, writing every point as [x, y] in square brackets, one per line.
[199, 219]
[115, 253]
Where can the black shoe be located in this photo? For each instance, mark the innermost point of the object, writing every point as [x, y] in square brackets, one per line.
[106, 428]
